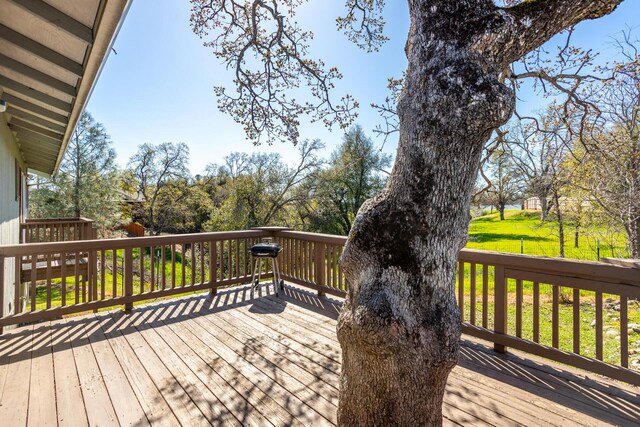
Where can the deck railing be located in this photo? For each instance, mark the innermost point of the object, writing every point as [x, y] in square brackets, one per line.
[574, 312]
[61, 278]
[56, 230]
[550, 307]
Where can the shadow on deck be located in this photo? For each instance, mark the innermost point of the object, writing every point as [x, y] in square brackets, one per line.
[237, 360]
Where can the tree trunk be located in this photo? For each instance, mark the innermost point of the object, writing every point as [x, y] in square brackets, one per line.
[399, 328]
[633, 236]
[544, 208]
[501, 207]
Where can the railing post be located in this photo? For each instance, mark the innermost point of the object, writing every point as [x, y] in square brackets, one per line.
[319, 267]
[128, 277]
[500, 306]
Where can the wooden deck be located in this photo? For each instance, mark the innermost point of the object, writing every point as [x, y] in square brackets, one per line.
[233, 360]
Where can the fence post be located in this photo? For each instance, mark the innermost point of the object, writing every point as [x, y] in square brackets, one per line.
[128, 277]
[500, 306]
[319, 266]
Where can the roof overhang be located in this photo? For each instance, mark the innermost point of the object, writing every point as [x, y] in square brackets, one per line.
[51, 54]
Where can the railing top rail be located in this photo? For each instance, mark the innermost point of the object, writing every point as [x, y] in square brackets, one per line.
[135, 242]
[44, 221]
[592, 270]
[315, 237]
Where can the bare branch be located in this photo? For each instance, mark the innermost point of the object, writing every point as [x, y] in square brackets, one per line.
[363, 24]
[268, 53]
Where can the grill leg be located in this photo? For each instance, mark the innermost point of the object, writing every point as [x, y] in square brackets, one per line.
[277, 281]
[255, 283]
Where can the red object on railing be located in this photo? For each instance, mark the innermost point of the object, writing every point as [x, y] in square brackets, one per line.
[134, 229]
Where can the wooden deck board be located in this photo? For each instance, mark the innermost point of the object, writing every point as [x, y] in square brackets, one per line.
[97, 402]
[234, 360]
[41, 389]
[123, 398]
[67, 391]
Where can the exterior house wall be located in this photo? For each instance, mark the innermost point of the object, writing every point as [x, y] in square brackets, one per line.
[9, 206]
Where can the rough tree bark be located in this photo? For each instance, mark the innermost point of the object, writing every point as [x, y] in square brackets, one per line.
[399, 328]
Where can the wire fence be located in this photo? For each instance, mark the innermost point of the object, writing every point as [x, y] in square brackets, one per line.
[589, 249]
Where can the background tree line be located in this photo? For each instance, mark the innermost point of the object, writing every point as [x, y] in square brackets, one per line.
[157, 190]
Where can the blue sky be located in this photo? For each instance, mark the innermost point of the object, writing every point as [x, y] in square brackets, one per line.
[159, 85]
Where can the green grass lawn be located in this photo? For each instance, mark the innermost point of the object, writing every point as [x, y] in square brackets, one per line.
[523, 232]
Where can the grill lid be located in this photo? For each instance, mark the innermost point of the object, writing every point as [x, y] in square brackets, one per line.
[266, 250]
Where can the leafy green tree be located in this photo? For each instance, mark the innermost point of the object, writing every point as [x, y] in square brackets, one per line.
[357, 173]
[87, 182]
[156, 172]
[260, 189]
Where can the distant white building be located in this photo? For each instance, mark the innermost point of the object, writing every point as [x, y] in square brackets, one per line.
[533, 203]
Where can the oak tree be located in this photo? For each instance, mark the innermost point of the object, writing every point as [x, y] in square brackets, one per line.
[399, 327]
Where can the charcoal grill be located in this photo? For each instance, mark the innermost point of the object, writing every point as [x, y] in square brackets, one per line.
[266, 252]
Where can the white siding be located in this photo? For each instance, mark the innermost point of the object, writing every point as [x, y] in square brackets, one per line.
[9, 206]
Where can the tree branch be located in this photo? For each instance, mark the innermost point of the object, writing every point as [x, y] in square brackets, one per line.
[527, 25]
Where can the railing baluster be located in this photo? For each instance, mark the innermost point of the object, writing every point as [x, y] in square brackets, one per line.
[500, 306]
[576, 321]
[536, 312]
[152, 268]
[221, 255]
[472, 293]
[309, 256]
[103, 270]
[17, 300]
[141, 290]
[624, 334]
[76, 259]
[555, 316]
[63, 279]
[32, 292]
[245, 255]
[48, 277]
[128, 277]
[163, 266]
[461, 289]
[237, 245]
[519, 308]
[599, 337]
[194, 264]
[229, 259]
[173, 266]
[485, 296]
[114, 278]
[336, 256]
[202, 269]
[213, 275]
[330, 281]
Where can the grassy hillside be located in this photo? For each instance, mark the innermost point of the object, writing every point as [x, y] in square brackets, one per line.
[523, 230]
